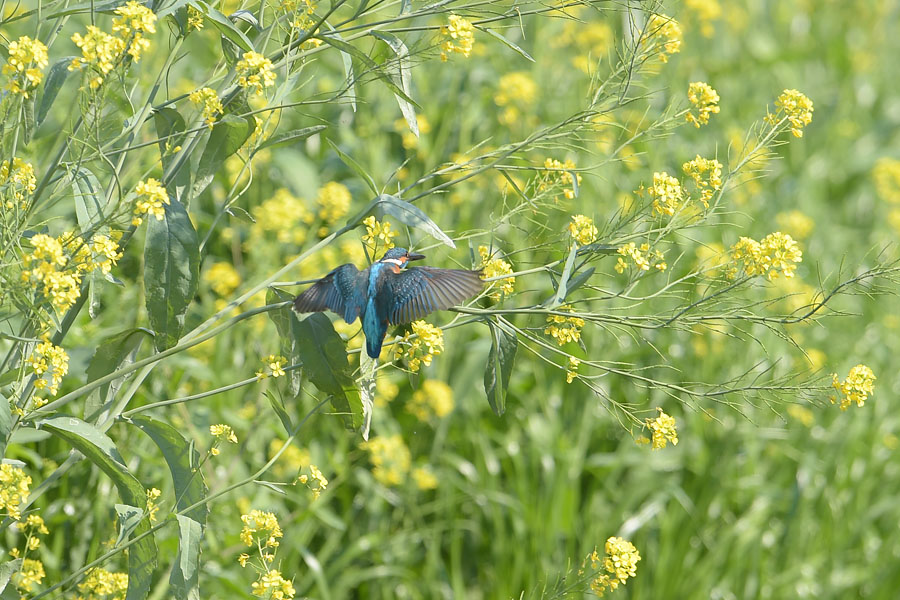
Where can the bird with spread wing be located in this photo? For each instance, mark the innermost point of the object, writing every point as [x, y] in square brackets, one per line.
[388, 293]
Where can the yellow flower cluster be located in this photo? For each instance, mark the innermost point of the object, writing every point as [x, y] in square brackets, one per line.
[663, 430]
[460, 37]
[261, 528]
[50, 361]
[33, 527]
[619, 563]
[273, 586]
[494, 266]
[210, 105]
[886, 174]
[151, 196]
[274, 366]
[515, 94]
[665, 34]
[23, 67]
[31, 573]
[795, 223]
[421, 349]
[315, 481]
[99, 51]
[707, 176]
[223, 278]
[705, 99]
[666, 193]
[859, 385]
[559, 173]
[796, 108]
[378, 236]
[255, 71]
[572, 369]
[590, 37]
[23, 181]
[194, 19]
[223, 432]
[333, 201]
[776, 252]
[14, 487]
[582, 229]
[564, 328]
[133, 20]
[433, 399]
[285, 215]
[101, 253]
[424, 478]
[100, 584]
[390, 459]
[642, 257]
[705, 12]
[153, 495]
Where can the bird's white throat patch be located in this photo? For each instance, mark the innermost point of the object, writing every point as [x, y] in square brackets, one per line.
[393, 261]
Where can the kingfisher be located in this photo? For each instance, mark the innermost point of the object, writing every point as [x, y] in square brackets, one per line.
[388, 293]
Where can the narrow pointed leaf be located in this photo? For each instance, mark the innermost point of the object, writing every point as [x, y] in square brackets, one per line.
[171, 272]
[508, 43]
[53, 82]
[404, 70]
[185, 577]
[355, 166]
[113, 353]
[562, 288]
[290, 137]
[227, 28]
[504, 344]
[413, 216]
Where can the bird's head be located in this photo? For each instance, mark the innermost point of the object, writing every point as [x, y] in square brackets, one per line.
[400, 256]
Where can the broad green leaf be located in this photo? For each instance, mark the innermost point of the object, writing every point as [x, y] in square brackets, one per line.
[129, 518]
[496, 35]
[89, 202]
[289, 137]
[324, 358]
[405, 71]
[413, 216]
[504, 344]
[226, 27]
[6, 423]
[355, 166]
[8, 569]
[287, 324]
[184, 465]
[171, 272]
[100, 450]
[111, 354]
[53, 81]
[171, 131]
[185, 577]
[228, 135]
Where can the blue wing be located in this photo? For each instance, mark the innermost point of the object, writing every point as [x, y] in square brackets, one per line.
[342, 291]
[417, 291]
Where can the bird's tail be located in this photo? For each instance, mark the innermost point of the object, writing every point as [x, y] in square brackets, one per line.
[373, 345]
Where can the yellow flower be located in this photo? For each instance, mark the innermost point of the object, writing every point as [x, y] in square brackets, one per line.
[583, 230]
[572, 369]
[424, 478]
[564, 328]
[796, 108]
[886, 174]
[426, 342]
[666, 193]
[641, 256]
[105, 253]
[334, 202]
[262, 528]
[223, 278]
[858, 386]
[390, 459]
[26, 59]
[794, 222]
[153, 495]
[208, 100]
[22, 178]
[515, 94]
[664, 33]
[255, 71]
[243, 558]
[460, 37]
[283, 214]
[776, 252]
[379, 236]
[273, 586]
[132, 22]
[496, 267]
[705, 99]
[44, 268]
[223, 432]
[618, 565]
[100, 51]
[559, 173]
[51, 361]
[663, 430]
[274, 366]
[35, 525]
[32, 572]
[705, 11]
[195, 19]
[14, 488]
[151, 196]
[315, 481]
[433, 399]
[100, 583]
[707, 176]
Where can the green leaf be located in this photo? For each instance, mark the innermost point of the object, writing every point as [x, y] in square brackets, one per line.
[171, 131]
[83, 7]
[496, 35]
[413, 216]
[184, 465]
[111, 354]
[6, 423]
[366, 384]
[347, 61]
[562, 289]
[185, 577]
[171, 272]
[289, 137]
[355, 166]
[504, 344]
[129, 518]
[53, 81]
[324, 357]
[228, 135]
[28, 124]
[278, 407]
[405, 71]
[8, 569]
[287, 324]
[89, 205]
[226, 27]
[101, 451]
